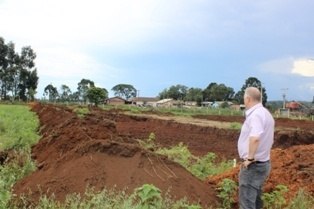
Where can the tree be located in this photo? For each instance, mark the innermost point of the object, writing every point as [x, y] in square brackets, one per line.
[207, 92]
[251, 82]
[65, 93]
[18, 75]
[195, 94]
[97, 95]
[125, 91]
[28, 74]
[177, 92]
[163, 94]
[52, 92]
[83, 87]
[218, 92]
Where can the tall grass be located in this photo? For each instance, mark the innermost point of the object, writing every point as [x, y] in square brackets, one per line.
[18, 127]
[18, 131]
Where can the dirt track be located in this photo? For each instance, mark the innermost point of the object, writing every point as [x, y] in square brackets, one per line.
[101, 150]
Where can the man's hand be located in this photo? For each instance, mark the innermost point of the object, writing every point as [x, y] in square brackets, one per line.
[246, 163]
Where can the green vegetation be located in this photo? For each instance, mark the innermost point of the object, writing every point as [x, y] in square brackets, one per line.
[18, 73]
[200, 167]
[275, 199]
[145, 197]
[18, 132]
[302, 200]
[96, 95]
[18, 127]
[81, 111]
[227, 190]
[235, 126]
[176, 111]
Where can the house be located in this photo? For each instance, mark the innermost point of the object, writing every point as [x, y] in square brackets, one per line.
[165, 103]
[144, 101]
[115, 101]
[190, 103]
[206, 104]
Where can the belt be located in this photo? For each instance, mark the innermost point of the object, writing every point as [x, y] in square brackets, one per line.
[257, 162]
[260, 161]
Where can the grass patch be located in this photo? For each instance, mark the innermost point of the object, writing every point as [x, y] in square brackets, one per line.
[201, 167]
[145, 197]
[81, 111]
[18, 132]
[18, 127]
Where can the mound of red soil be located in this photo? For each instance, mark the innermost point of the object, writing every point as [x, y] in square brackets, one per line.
[78, 153]
[292, 167]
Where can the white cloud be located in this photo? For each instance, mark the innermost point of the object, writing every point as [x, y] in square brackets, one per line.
[281, 66]
[304, 67]
[64, 66]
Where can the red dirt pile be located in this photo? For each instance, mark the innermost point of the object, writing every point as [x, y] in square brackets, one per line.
[292, 167]
[78, 152]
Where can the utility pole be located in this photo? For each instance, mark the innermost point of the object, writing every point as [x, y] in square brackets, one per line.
[284, 97]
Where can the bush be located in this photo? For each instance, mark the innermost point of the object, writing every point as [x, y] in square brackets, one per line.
[275, 199]
[227, 190]
[302, 200]
[200, 167]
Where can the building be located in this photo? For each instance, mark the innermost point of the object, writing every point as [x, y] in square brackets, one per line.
[165, 103]
[144, 101]
[115, 101]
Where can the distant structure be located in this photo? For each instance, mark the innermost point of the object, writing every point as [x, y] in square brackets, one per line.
[284, 97]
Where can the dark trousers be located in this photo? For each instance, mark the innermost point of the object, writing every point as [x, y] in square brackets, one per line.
[251, 180]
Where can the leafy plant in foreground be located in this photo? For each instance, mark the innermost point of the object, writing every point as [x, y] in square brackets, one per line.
[275, 199]
[149, 196]
[227, 190]
[302, 200]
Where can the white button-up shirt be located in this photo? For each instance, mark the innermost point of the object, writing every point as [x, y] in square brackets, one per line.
[258, 123]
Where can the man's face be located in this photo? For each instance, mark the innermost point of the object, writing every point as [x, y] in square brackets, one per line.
[246, 100]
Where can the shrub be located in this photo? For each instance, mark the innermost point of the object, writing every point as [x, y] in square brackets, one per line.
[227, 190]
[149, 196]
[201, 167]
[302, 200]
[275, 199]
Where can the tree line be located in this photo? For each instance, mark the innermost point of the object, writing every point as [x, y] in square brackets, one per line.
[18, 75]
[213, 92]
[86, 91]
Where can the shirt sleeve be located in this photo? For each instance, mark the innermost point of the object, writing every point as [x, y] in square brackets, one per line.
[257, 127]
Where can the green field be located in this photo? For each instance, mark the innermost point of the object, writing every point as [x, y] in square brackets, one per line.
[18, 127]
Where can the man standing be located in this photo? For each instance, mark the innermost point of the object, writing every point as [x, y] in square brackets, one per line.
[254, 145]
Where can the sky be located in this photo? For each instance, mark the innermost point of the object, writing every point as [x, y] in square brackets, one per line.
[154, 44]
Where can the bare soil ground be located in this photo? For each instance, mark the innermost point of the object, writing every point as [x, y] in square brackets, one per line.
[101, 151]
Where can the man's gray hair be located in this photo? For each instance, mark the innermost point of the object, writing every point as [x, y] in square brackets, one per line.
[253, 93]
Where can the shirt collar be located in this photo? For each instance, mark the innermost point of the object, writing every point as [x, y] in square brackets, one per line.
[249, 111]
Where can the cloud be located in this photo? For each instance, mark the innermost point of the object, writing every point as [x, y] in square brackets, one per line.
[304, 67]
[60, 65]
[278, 67]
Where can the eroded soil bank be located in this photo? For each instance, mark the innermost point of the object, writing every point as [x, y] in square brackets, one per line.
[101, 150]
